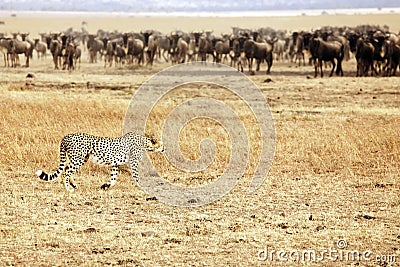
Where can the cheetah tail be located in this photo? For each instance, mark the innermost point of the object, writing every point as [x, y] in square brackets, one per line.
[51, 177]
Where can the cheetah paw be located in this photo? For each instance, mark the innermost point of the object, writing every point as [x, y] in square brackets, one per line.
[105, 186]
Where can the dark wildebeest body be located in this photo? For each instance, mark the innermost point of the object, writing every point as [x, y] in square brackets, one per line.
[327, 51]
[206, 47]
[135, 48]
[55, 47]
[120, 54]
[365, 57]
[377, 39]
[109, 53]
[392, 55]
[69, 56]
[298, 47]
[222, 48]
[259, 51]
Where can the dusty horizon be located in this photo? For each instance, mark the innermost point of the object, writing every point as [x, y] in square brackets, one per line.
[35, 25]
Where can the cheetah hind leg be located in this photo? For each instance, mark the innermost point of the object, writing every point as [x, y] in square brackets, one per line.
[113, 178]
[71, 169]
[71, 180]
[72, 183]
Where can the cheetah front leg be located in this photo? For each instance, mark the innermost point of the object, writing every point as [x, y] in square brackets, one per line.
[134, 166]
[113, 179]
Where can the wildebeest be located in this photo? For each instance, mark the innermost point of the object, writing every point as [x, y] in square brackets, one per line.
[5, 48]
[152, 47]
[56, 50]
[164, 47]
[392, 54]
[20, 47]
[260, 52]
[279, 49]
[69, 56]
[135, 49]
[77, 56]
[364, 56]
[94, 46]
[109, 53]
[377, 38]
[192, 49]
[222, 48]
[327, 51]
[237, 54]
[206, 47]
[298, 47]
[181, 51]
[120, 55]
[41, 48]
[25, 38]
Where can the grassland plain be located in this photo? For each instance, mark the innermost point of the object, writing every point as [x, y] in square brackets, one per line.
[335, 174]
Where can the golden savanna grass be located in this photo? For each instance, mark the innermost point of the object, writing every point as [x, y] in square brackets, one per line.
[335, 173]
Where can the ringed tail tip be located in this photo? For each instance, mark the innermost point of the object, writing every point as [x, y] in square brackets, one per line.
[39, 172]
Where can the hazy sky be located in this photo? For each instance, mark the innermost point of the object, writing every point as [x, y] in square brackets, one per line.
[199, 5]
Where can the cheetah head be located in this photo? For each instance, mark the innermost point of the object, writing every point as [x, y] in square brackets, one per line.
[153, 145]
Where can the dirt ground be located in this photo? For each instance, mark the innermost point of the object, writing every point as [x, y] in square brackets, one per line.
[333, 188]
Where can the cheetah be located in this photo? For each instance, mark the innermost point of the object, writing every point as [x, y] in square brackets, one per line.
[113, 152]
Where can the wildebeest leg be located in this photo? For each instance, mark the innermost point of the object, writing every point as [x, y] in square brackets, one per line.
[5, 55]
[316, 65]
[270, 60]
[333, 67]
[268, 68]
[366, 66]
[250, 64]
[373, 68]
[71, 62]
[320, 67]
[55, 60]
[16, 59]
[258, 64]
[163, 55]
[27, 60]
[339, 69]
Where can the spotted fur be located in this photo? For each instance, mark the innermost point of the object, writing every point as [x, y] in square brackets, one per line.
[80, 147]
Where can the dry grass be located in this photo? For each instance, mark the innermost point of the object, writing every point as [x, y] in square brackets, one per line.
[335, 175]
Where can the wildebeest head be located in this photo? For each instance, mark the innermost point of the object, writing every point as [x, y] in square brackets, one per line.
[197, 37]
[146, 35]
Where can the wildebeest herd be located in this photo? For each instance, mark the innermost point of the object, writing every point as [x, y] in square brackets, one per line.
[375, 49]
